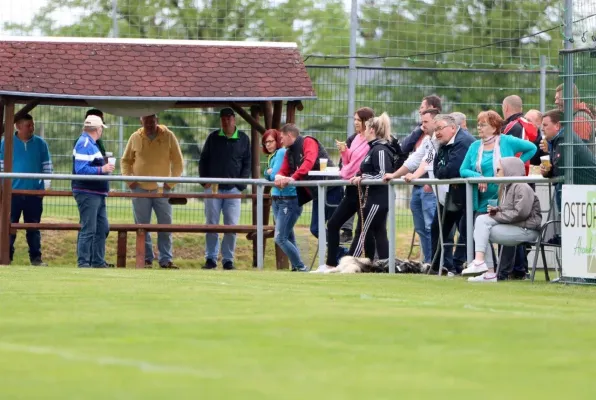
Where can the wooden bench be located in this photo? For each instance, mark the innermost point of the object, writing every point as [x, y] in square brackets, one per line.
[141, 229]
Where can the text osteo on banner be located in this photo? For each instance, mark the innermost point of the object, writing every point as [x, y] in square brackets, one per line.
[578, 230]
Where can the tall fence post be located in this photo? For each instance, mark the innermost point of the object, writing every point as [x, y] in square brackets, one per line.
[469, 222]
[321, 222]
[391, 228]
[543, 84]
[568, 91]
[260, 239]
[352, 75]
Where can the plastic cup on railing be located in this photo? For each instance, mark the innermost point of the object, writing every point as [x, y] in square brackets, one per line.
[47, 183]
[323, 163]
[160, 187]
[214, 188]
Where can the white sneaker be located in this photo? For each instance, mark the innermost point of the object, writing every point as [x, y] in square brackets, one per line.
[475, 269]
[321, 270]
[486, 277]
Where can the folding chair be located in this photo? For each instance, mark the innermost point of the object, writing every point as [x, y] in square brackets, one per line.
[413, 244]
[540, 245]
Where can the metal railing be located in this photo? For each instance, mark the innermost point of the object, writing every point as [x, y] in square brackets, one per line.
[320, 185]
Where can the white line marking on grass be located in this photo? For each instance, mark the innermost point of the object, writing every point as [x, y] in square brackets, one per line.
[143, 366]
[493, 310]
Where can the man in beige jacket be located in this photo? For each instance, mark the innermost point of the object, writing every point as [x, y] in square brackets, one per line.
[153, 150]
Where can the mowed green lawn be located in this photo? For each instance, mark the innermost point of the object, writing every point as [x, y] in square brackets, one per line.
[154, 334]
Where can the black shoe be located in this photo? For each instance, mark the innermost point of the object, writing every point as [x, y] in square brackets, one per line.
[345, 237]
[169, 265]
[209, 264]
[148, 264]
[38, 262]
[228, 266]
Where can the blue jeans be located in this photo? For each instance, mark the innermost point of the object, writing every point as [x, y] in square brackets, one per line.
[230, 208]
[423, 206]
[142, 209]
[91, 246]
[286, 213]
[333, 198]
[31, 207]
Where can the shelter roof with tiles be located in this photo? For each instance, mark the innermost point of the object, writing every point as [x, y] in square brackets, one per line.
[140, 69]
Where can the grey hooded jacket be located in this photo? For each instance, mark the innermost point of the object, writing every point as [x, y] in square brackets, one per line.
[519, 205]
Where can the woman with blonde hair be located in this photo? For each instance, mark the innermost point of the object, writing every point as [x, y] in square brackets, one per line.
[374, 200]
[351, 157]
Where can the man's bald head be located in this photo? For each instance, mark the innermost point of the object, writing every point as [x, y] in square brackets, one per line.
[535, 117]
[512, 105]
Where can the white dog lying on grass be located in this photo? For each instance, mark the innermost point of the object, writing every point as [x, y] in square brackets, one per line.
[354, 265]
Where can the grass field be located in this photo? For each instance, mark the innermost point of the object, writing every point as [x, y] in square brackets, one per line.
[128, 334]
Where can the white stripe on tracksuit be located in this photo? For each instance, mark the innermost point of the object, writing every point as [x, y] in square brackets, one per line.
[369, 218]
[381, 173]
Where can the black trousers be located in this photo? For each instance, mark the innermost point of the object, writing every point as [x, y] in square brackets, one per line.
[375, 226]
[31, 207]
[452, 219]
[347, 208]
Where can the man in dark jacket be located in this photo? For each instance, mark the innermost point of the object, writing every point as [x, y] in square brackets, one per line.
[514, 260]
[302, 156]
[584, 164]
[408, 144]
[452, 199]
[226, 154]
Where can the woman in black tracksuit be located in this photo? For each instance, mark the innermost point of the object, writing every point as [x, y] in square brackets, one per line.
[380, 158]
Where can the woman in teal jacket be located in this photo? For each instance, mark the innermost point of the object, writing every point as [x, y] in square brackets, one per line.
[286, 209]
[484, 156]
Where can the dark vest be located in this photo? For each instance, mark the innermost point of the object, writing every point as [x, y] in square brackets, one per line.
[295, 154]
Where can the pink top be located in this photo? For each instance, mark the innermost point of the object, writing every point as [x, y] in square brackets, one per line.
[352, 157]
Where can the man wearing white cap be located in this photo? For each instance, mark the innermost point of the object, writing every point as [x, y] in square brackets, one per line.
[91, 195]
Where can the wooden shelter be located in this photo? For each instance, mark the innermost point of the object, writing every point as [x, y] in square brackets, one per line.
[253, 78]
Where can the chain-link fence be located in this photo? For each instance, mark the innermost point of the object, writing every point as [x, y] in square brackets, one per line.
[472, 54]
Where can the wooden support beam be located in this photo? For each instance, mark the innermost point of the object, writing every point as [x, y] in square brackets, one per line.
[1, 117]
[291, 112]
[248, 118]
[267, 108]
[140, 249]
[121, 252]
[6, 185]
[255, 142]
[277, 111]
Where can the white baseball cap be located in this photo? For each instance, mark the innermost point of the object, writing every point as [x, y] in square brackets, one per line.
[93, 121]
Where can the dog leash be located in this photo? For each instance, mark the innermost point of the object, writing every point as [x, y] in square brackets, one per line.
[361, 204]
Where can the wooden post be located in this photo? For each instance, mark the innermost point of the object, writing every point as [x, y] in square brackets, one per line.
[277, 110]
[140, 248]
[6, 184]
[268, 113]
[121, 253]
[255, 142]
[281, 260]
[291, 112]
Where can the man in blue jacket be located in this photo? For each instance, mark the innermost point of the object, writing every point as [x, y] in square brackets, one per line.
[91, 195]
[30, 154]
[452, 198]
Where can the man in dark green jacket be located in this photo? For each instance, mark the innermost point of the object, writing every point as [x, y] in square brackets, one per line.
[583, 163]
